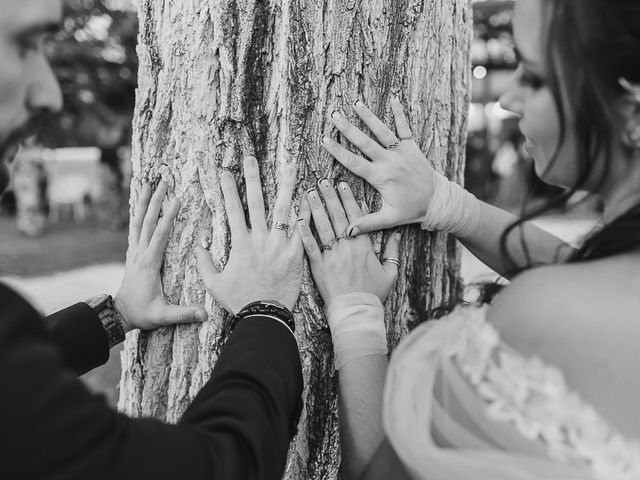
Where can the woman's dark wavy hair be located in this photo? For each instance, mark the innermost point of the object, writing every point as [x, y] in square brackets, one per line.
[591, 45]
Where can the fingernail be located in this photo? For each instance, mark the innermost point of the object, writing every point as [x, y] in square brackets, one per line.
[312, 193]
[398, 235]
[250, 161]
[324, 183]
[301, 220]
[359, 104]
[336, 115]
[344, 186]
[326, 139]
[201, 316]
[353, 232]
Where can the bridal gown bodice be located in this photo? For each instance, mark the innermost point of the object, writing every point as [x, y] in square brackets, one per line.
[461, 404]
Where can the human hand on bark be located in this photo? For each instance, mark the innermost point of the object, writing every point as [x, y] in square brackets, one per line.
[140, 299]
[347, 265]
[398, 170]
[264, 264]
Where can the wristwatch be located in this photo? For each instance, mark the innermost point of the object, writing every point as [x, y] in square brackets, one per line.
[109, 317]
[266, 307]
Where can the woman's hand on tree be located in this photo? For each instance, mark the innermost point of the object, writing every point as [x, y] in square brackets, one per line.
[347, 265]
[140, 299]
[264, 264]
[398, 170]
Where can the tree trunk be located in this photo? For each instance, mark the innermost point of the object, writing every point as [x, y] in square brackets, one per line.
[227, 78]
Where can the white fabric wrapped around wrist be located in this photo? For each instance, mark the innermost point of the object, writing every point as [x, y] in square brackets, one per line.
[356, 321]
[451, 209]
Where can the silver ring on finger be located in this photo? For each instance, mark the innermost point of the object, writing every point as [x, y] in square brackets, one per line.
[395, 261]
[329, 245]
[281, 226]
[343, 236]
[393, 145]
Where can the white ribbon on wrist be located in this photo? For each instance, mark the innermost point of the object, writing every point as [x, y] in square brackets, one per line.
[356, 321]
[451, 209]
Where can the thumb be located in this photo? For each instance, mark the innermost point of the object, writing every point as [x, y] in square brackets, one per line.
[183, 314]
[369, 223]
[391, 255]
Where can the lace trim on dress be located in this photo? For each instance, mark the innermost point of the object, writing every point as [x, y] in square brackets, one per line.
[534, 398]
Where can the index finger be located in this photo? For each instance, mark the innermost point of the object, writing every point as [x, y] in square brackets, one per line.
[363, 142]
[402, 125]
[153, 212]
[349, 202]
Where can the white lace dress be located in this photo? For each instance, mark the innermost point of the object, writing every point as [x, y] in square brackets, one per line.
[460, 404]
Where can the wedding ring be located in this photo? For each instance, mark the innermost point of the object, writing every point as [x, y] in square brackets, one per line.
[342, 236]
[393, 260]
[393, 145]
[329, 246]
[281, 226]
[410, 137]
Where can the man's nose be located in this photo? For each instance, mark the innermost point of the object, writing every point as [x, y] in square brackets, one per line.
[44, 94]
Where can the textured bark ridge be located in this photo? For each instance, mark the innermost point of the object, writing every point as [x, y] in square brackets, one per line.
[221, 79]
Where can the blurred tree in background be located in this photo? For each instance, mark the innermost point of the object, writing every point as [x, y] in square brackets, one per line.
[94, 58]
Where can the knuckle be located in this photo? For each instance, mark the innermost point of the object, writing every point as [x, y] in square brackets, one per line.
[340, 216]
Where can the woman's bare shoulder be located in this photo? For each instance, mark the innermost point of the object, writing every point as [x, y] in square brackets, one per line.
[574, 292]
[585, 319]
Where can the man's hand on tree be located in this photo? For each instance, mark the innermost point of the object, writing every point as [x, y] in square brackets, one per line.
[264, 263]
[140, 299]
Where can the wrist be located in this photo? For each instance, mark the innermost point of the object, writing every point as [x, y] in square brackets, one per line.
[109, 317]
[451, 209]
[268, 308]
[356, 321]
[124, 316]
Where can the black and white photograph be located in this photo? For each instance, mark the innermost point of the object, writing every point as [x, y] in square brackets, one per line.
[319, 240]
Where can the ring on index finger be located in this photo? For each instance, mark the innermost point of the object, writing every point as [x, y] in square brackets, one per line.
[409, 137]
[343, 236]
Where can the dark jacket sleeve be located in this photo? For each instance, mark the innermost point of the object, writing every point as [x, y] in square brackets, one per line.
[238, 427]
[80, 337]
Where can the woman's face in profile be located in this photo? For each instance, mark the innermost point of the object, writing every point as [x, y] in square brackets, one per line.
[530, 97]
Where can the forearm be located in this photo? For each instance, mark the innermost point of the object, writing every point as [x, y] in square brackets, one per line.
[359, 339]
[239, 426]
[80, 337]
[539, 246]
[361, 384]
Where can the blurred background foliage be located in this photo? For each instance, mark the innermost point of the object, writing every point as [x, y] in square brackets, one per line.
[94, 57]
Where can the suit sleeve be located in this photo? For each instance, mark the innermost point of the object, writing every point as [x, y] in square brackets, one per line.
[80, 337]
[238, 427]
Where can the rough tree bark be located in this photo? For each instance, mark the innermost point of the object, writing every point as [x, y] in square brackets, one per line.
[221, 79]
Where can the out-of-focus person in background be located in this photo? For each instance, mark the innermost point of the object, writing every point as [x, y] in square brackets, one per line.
[51, 426]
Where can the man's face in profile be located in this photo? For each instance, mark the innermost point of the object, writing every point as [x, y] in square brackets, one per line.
[28, 88]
